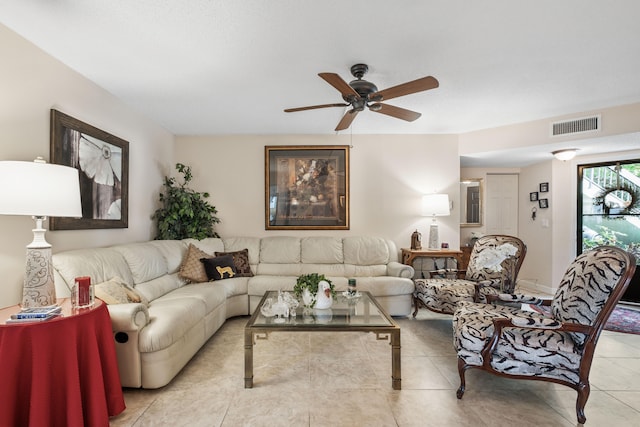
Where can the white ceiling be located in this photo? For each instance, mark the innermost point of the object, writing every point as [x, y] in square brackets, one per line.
[202, 67]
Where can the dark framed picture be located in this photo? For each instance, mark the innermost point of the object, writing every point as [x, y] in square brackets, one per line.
[102, 160]
[307, 187]
[544, 187]
[533, 196]
[543, 203]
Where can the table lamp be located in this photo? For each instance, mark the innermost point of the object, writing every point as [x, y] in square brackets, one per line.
[39, 189]
[435, 205]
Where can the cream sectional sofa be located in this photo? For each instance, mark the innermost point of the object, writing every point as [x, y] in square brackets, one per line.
[155, 341]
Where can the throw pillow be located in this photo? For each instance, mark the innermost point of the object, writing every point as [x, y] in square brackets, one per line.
[116, 291]
[240, 261]
[191, 268]
[220, 267]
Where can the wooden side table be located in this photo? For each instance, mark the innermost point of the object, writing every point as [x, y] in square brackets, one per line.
[408, 255]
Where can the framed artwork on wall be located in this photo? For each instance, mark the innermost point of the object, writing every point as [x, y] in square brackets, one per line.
[543, 203]
[307, 187]
[533, 196]
[544, 187]
[102, 161]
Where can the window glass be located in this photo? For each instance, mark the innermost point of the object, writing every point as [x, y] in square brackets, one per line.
[609, 211]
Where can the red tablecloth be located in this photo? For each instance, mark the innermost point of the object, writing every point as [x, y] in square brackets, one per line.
[61, 372]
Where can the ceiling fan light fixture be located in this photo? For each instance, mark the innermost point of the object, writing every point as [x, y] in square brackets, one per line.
[361, 94]
[565, 154]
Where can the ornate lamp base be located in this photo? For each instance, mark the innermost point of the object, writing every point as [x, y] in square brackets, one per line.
[39, 289]
[433, 237]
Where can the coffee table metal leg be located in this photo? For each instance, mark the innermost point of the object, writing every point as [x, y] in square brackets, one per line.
[248, 358]
[395, 360]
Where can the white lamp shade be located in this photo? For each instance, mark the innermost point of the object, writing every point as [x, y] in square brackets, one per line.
[435, 205]
[39, 189]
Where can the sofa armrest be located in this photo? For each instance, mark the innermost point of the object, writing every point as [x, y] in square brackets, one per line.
[396, 269]
[128, 317]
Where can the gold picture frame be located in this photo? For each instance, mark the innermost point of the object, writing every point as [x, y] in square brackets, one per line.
[307, 187]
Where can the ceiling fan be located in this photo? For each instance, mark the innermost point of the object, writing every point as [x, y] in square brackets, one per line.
[360, 93]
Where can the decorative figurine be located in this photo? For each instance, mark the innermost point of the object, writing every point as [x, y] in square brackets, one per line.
[416, 240]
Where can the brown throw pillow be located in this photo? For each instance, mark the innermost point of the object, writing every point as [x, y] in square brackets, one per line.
[220, 267]
[192, 270]
[240, 261]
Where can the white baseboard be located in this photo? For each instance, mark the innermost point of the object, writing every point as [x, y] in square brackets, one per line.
[533, 287]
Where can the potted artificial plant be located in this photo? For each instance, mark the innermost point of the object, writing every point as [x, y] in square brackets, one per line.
[184, 213]
[307, 285]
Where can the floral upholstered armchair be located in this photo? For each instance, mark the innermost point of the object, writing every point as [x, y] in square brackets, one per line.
[555, 345]
[493, 267]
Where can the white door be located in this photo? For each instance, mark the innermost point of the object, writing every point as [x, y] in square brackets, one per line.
[502, 204]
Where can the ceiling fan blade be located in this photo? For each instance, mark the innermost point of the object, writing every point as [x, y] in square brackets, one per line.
[414, 86]
[343, 87]
[347, 119]
[397, 112]
[313, 107]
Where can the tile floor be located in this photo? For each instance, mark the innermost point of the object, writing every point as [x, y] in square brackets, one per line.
[344, 379]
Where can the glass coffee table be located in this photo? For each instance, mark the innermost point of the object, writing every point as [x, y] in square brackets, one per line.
[347, 314]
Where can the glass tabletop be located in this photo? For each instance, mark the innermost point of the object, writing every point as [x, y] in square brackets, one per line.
[345, 312]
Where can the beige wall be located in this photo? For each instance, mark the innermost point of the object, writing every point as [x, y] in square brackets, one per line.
[31, 83]
[389, 175]
[615, 121]
[551, 239]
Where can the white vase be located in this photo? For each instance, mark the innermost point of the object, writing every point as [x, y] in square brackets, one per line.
[324, 298]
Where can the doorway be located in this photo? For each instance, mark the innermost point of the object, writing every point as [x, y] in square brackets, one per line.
[609, 211]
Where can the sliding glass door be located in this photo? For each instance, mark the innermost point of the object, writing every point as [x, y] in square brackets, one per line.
[609, 210]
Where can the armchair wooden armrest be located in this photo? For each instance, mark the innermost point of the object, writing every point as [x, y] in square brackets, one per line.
[518, 298]
[500, 323]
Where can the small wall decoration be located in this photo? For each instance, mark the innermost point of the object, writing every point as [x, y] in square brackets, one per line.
[544, 187]
[543, 203]
[307, 187]
[618, 200]
[103, 162]
[533, 196]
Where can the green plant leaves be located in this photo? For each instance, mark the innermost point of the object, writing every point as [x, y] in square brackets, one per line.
[184, 212]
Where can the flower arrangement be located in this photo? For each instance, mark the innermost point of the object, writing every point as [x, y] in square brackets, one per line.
[310, 283]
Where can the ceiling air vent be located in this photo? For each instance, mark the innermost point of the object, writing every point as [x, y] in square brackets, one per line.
[570, 127]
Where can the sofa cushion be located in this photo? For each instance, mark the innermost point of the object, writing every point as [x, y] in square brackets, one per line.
[211, 296]
[170, 319]
[173, 252]
[100, 264]
[219, 267]
[145, 261]
[321, 250]
[209, 244]
[192, 270]
[155, 288]
[258, 285]
[280, 250]
[240, 262]
[252, 244]
[364, 251]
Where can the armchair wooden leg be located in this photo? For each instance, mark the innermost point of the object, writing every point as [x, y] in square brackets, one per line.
[462, 367]
[583, 394]
[416, 305]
